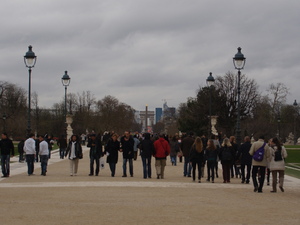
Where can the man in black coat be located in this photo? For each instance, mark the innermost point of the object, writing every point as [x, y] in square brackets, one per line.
[7, 149]
[185, 146]
[95, 146]
[246, 159]
[127, 144]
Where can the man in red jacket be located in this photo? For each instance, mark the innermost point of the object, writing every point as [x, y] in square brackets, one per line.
[162, 150]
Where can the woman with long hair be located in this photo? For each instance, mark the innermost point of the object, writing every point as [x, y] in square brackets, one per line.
[197, 158]
[277, 165]
[211, 155]
[227, 157]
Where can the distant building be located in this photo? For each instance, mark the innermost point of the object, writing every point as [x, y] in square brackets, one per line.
[158, 114]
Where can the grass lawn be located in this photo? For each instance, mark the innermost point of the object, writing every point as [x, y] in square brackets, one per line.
[293, 160]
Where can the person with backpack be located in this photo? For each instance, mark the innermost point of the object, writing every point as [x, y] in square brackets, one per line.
[226, 155]
[260, 153]
[277, 164]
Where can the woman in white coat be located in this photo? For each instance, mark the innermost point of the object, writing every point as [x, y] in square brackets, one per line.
[277, 165]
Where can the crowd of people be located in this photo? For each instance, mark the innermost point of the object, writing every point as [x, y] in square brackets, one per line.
[197, 153]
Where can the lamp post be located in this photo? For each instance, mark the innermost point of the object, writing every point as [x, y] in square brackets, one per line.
[65, 81]
[29, 60]
[295, 104]
[4, 122]
[210, 82]
[239, 62]
[278, 123]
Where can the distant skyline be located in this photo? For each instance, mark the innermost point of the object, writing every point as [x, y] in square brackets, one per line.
[144, 51]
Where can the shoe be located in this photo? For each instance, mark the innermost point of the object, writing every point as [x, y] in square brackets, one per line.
[224, 181]
[208, 180]
[255, 189]
[259, 191]
[228, 181]
[199, 181]
[97, 174]
[281, 188]
[189, 176]
[158, 176]
[193, 180]
[212, 181]
[247, 182]
[273, 191]
[243, 182]
[131, 175]
[217, 176]
[124, 175]
[268, 183]
[91, 174]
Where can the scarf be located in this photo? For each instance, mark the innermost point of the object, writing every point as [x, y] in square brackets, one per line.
[72, 155]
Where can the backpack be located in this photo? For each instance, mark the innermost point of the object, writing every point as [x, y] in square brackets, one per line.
[259, 154]
[278, 156]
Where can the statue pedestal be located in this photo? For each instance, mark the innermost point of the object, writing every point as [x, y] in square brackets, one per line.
[69, 121]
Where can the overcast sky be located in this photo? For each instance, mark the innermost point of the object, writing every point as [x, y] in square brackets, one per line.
[143, 51]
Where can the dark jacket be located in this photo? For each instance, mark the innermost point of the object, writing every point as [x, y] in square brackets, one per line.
[211, 154]
[186, 145]
[21, 146]
[127, 147]
[95, 148]
[243, 153]
[7, 147]
[146, 146]
[227, 154]
[62, 143]
[78, 150]
[195, 156]
[112, 148]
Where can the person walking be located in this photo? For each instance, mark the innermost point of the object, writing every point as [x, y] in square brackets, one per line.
[95, 146]
[211, 155]
[147, 150]
[174, 149]
[21, 150]
[7, 150]
[44, 154]
[162, 150]
[246, 159]
[186, 145]
[62, 144]
[227, 156]
[135, 146]
[29, 149]
[127, 144]
[259, 167]
[112, 151]
[277, 165]
[197, 158]
[74, 153]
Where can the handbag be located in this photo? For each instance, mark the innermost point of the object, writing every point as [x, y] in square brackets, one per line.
[102, 163]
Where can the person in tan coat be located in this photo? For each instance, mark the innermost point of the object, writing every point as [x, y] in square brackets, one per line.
[277, 164]
[259, 167]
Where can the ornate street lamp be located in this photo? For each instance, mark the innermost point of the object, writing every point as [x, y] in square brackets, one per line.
[29, 60]
[210, 82]
[239, 62]
[295, 104]
[65, 81]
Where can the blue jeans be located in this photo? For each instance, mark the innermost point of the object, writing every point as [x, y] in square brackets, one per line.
[174, 160]
[146, 167]
[112, 167]
[211, 165]
[30, 163]
[130, 166]
[62, 152]
[187, 168]
[5, 164]
[93, 159]
[44, 163]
